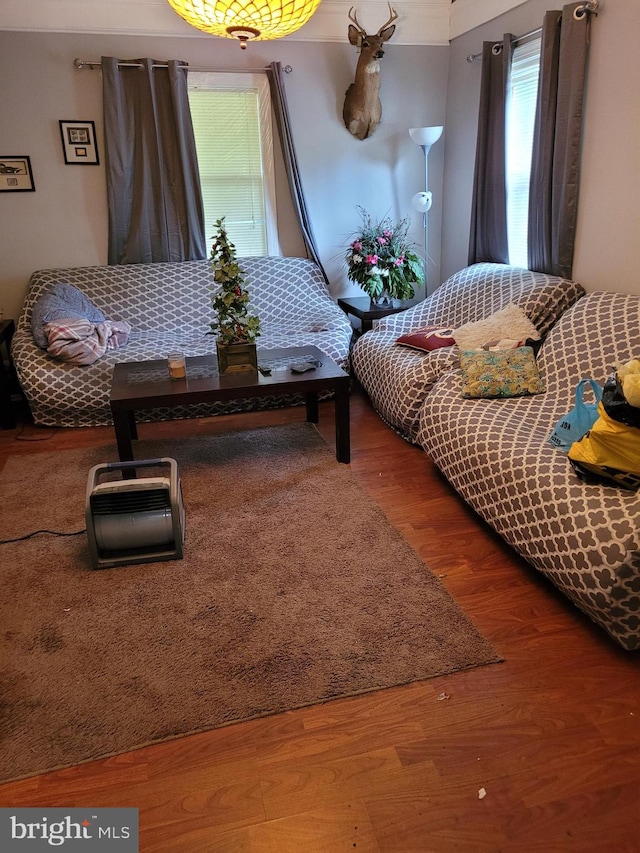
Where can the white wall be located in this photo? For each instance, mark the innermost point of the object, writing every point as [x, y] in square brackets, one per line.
[608, 237]
[64, 222]
[607, 255]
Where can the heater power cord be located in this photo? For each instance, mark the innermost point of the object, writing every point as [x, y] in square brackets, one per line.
[36, 532]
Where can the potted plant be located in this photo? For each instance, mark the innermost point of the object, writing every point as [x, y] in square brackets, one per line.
[236, 329]
[383, 261]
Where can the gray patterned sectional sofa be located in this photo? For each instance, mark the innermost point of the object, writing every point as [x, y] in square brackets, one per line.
[168, 306]
[584, 538]
[398, 379]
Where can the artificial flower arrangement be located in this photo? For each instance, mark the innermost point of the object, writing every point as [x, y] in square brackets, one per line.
[233, 323]
[382, 259]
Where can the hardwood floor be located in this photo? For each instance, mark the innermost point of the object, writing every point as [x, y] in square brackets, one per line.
[552, 734]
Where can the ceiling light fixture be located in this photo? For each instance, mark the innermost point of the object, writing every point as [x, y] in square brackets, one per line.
[246, 20]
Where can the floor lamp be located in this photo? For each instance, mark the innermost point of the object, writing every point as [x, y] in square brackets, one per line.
[425, 138]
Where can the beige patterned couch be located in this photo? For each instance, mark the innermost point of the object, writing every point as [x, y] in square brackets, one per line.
[168, 306]
[584, 538]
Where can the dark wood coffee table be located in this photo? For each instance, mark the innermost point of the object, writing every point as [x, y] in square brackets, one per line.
[146, 385]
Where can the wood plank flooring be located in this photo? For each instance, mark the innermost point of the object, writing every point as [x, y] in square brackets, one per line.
[552, 734]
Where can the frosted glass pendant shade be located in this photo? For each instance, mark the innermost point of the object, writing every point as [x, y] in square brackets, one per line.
[246, 19]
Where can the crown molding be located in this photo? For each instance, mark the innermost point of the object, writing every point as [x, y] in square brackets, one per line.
[468, 14]
[419, 22]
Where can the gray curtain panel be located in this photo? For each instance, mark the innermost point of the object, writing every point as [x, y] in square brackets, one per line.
[281, 110]
[488, 233]
[555, 164]
[153, 184]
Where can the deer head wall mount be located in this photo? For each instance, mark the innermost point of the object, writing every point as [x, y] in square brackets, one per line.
[362, 108]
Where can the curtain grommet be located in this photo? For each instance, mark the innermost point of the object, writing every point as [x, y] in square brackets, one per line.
[590, 7]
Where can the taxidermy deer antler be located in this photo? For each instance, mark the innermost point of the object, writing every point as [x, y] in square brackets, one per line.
[362, 108]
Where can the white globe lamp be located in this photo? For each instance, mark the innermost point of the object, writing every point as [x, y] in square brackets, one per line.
[425, 137]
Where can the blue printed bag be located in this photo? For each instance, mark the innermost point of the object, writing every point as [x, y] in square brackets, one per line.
[579, 420]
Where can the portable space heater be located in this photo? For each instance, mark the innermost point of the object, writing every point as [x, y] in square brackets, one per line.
[137, 520]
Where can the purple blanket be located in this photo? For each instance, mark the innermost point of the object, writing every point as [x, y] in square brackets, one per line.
[79, 341]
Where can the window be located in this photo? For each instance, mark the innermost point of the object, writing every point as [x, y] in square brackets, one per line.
[521, 109]
[231, 116]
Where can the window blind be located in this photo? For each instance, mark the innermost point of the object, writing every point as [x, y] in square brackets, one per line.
[231, 123]
[521, 109]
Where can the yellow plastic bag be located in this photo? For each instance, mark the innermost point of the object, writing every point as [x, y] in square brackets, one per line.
[609, 451]
[629, 376]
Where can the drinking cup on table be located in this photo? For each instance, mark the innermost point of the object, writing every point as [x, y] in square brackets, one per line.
[177, 365]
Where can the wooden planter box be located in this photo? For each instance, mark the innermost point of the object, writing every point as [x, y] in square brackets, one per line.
[237, 358]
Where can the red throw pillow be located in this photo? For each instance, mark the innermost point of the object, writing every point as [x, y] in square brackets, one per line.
[428, 339]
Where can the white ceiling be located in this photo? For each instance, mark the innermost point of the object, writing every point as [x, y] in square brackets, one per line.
[419, 22]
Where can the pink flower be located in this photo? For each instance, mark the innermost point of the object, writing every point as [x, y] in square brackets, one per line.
[357, 245]
[399, 261]
[372, 259]
[382, 241]
[387, 233]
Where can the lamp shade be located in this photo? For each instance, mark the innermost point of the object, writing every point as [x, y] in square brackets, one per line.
[422, 201]
[246, 19]
[426, 135]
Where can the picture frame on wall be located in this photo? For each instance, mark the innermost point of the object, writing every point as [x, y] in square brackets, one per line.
[79, 143]
[16, 175]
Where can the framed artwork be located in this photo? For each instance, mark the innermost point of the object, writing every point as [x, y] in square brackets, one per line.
[79, 143]
[16, 175]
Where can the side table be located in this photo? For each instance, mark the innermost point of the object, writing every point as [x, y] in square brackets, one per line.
[8, 381]
[364, 309]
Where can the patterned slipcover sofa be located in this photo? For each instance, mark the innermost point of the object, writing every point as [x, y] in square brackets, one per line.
[585, 538]
[168, 306]
[398, 379]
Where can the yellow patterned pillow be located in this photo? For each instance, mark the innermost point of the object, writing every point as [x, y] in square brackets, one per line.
[500, 373]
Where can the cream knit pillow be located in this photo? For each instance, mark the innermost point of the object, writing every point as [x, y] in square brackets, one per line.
[509, 322]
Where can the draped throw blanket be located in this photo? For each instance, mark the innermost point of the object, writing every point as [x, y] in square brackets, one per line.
[153, 184]
[81, 341]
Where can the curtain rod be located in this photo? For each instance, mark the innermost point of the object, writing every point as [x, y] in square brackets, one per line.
[473, 57]
[578, 13]
[92, 63]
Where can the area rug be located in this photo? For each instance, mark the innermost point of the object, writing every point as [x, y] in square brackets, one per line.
[294, 589]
